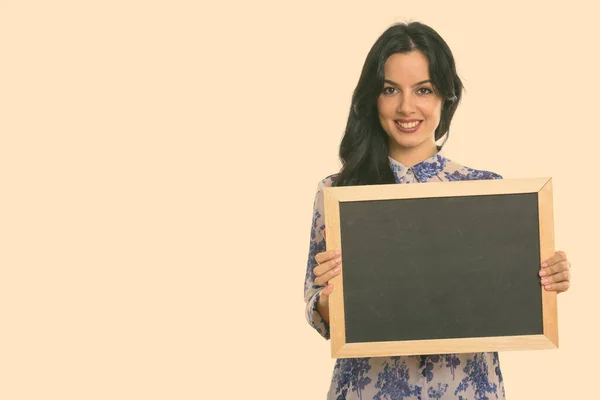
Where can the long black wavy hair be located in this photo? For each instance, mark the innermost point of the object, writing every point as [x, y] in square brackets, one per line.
[364, 147]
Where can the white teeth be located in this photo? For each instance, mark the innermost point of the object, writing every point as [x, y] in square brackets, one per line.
[408, 125]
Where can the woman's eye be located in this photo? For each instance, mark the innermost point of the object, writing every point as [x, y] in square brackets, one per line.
[424, 90]
[388, 90]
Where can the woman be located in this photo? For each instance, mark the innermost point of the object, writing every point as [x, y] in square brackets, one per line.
[403, 104]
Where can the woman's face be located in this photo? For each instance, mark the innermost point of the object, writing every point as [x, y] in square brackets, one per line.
[409, 108]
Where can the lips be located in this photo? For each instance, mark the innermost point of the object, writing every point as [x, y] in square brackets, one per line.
[408, 126]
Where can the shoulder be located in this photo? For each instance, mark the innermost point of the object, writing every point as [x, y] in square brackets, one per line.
[328, 181]
[458, 172]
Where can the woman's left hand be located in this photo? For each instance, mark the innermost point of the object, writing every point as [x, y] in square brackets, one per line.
[556, 273]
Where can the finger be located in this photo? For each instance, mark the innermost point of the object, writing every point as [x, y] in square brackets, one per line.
[558, 287]
[326, 266]
[326, 292]
[324, 234]
[331, 273]
[326, 256]
[554, 269]
[559, 277]
[557, 257]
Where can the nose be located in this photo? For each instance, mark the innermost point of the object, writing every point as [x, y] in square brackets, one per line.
[407, 104]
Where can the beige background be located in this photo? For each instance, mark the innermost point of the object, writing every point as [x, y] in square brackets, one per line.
[159, 162]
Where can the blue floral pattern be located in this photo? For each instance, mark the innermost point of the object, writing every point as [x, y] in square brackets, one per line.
[438, 392]
[477, 375]
[352, 375]
[473, 376]
[393, 381]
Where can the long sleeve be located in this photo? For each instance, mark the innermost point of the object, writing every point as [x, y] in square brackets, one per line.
[317, 245]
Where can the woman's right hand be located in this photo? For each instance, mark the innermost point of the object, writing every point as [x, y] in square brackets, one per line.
[328, 267]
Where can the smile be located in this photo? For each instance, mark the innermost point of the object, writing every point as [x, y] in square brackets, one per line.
[408, 127]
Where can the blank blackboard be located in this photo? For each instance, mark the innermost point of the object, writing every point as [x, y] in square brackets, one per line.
[441, 267]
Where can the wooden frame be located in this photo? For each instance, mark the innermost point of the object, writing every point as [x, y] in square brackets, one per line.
[336, 195]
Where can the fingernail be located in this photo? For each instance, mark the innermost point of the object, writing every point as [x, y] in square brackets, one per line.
[548, 287]
[542, 273]
[336, 270]
[544, 265]
[337, 252]
[544, 281]
[337, 260]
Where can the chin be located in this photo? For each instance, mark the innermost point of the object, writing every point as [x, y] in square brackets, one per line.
[408, 142]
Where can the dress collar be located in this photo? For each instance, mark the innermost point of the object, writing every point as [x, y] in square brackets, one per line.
[423, 171]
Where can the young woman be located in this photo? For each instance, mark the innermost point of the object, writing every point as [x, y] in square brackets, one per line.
[403, 104]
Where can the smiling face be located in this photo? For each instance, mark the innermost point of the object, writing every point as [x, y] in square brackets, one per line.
[409, 108]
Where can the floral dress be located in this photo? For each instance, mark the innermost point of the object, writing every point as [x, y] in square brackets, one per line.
[474, 376]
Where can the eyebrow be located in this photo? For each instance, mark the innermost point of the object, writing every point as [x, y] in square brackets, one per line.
[416, 84]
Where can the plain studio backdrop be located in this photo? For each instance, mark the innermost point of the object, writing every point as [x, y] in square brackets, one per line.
[159, 162]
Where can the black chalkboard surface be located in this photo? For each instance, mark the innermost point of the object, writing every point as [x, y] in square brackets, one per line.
[441, 267]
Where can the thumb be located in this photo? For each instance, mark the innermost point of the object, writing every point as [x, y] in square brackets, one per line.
[326, 292]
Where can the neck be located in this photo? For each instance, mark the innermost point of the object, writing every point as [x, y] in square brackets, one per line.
[413, 156]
